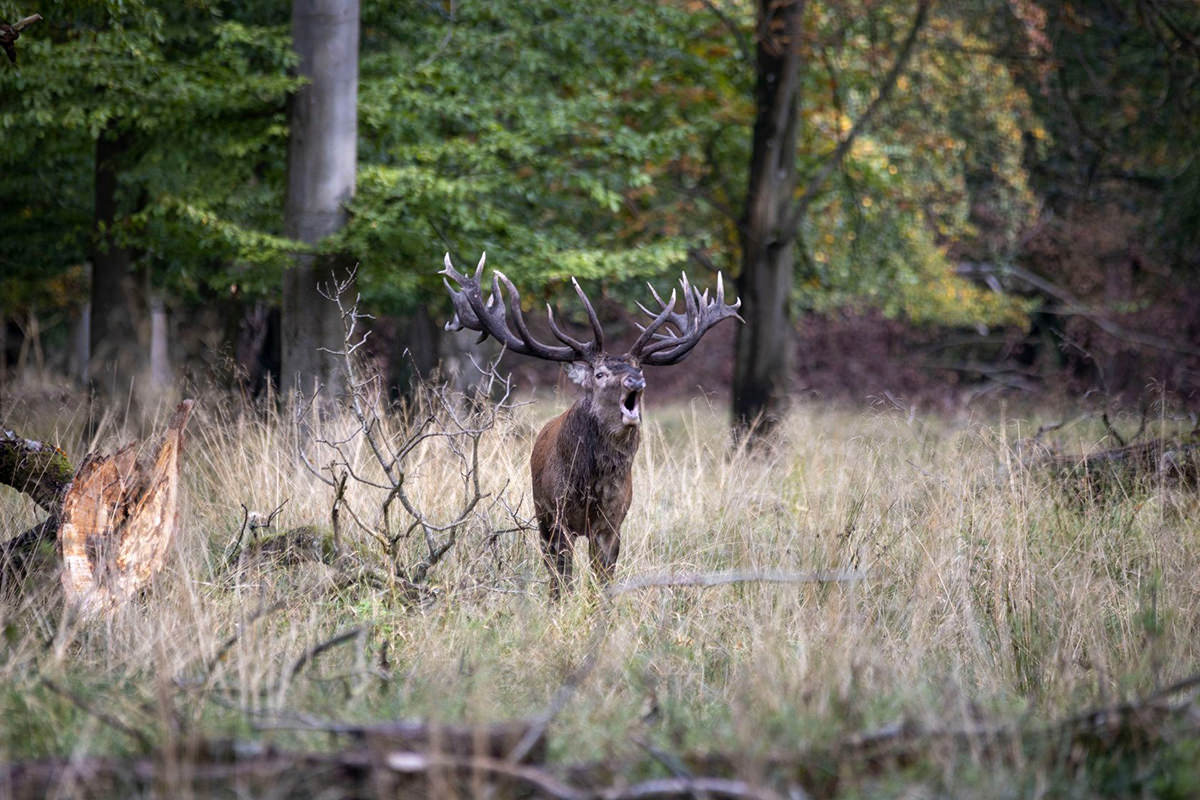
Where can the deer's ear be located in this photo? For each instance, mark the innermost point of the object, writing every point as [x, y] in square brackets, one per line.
[579, 372]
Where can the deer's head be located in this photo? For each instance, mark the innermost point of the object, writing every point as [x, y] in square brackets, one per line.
[612, 384]
[612, 389]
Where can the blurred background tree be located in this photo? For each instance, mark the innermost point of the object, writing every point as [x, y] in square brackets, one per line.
[932, 155]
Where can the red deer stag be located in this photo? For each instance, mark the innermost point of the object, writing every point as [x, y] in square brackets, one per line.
[581, 459]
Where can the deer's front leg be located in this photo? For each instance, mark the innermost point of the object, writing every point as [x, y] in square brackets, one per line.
[604, 547]
[557, 553]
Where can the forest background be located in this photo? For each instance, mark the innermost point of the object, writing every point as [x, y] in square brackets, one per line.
[977, 198]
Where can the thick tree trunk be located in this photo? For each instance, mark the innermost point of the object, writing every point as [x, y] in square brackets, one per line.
[322, 152]
[115, 354]
[763, 356]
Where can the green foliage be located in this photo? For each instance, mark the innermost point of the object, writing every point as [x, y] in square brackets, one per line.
[939, 175]
[195, 96]
[605, 141]
[534, 131]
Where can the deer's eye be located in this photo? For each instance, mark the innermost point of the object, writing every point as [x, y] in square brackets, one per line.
[600, 375]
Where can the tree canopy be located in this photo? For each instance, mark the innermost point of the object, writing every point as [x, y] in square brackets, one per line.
[610, 141]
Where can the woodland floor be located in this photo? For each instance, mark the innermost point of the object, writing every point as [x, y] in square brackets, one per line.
[883, 603]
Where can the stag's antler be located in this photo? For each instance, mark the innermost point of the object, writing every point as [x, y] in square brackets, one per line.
[661, 349]
[489, 318]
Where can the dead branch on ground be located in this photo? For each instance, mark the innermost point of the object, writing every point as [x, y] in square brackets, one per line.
[412, 756]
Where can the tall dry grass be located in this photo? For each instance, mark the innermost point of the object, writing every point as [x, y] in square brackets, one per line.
[990, 593]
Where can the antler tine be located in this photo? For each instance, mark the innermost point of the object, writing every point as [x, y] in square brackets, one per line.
[690, 293]
[654, 292]
[448, 268]
[667, 312]
[464, 313]
[489, 318]
[514, 305]
[584, 350]
[674, 319]
[702, 314]
[591, 313]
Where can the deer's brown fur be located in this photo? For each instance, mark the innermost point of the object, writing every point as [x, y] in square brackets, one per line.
[582, 469]
[582, 461]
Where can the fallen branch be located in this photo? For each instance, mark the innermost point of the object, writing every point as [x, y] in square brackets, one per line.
[709, 579]
[1072, 306]
[38, 469]
[690, 787]
[325, 646]
[410, 758]
[1173, 459]
[108, 719]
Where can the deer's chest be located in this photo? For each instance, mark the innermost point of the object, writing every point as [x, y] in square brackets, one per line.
[599, 491]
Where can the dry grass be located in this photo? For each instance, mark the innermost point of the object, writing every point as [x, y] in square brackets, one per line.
[991, 595]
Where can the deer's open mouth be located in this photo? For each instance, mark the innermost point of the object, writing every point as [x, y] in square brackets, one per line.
[631, 407]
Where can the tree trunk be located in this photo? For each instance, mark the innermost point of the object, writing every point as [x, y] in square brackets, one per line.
[115, 354]
[160, 361]
[113, 519]
[412, 353]
[81, 346]
[322, 151]
[762, 366]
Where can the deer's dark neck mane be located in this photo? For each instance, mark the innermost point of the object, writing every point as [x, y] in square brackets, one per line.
[592, 452]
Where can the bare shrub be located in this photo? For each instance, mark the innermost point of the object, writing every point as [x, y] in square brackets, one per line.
[438, 437]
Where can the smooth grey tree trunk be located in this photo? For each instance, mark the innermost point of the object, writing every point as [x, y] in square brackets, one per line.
[322, 152]
[762, 367]
[81, 346]
[160, 360]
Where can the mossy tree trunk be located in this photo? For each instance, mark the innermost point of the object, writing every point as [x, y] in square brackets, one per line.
[40, 470]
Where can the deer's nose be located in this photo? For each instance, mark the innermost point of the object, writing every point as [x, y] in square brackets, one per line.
[634, 384]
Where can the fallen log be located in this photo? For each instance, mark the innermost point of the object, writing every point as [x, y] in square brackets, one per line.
[1171, 460]
[396, 759]
[40, 470]
[422, 759]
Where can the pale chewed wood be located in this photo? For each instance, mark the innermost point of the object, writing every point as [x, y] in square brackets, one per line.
[118, 518]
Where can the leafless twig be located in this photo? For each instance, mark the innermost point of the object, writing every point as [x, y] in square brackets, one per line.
[328, 644]
[454, 422]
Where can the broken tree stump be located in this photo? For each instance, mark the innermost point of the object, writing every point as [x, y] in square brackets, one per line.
[113, 518]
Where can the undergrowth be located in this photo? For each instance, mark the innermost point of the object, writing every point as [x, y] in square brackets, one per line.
[991, 595]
